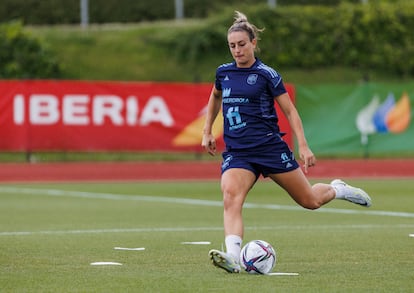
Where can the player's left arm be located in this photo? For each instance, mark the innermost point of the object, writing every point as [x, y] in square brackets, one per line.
[295, 122]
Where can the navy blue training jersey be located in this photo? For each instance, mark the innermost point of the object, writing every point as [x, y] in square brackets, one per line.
[250, 118]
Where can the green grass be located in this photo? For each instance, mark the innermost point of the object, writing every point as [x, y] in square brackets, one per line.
[138, 52]
[367, 250]
[122, 52]
[38, 157]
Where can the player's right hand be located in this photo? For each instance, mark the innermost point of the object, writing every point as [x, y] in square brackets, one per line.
[209, 144]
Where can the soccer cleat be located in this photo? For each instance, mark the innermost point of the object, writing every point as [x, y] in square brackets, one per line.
[354, 194]
[224, 261]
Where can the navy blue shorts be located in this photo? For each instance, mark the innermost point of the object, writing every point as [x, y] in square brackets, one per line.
[263, 160]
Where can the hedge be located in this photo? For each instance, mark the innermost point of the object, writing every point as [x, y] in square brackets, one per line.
[124, 11]
[377, 36]
[22, 56]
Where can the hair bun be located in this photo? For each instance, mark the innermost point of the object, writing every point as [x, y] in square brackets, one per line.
[239, 17]
[240, 20]
[242, 24]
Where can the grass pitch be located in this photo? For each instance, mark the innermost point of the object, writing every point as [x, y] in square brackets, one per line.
[50, 233]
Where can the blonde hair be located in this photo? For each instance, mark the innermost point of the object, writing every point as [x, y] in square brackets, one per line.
[241, 24]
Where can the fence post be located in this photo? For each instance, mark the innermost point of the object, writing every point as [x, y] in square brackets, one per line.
[179, 9]
[84, 13]
[272, 3]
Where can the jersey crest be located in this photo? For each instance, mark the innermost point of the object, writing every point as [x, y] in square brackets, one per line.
[251, 79]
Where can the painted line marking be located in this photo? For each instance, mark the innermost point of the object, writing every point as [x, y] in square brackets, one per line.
[196, 242]
[102, 231]
[130, 248]
[105, 263]
[209, 229]
[282, 274]
[189, 201]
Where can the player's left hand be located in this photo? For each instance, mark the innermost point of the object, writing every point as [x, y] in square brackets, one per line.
[308, 158]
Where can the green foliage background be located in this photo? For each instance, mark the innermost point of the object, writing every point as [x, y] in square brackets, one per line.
[377, 36]
[125, 11]
[22, 56]
[370, 39]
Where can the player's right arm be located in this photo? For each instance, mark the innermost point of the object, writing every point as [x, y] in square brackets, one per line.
[213, 108]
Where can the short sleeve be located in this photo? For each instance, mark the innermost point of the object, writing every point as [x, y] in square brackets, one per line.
[217, 83]
[274, 80]
[277, 86]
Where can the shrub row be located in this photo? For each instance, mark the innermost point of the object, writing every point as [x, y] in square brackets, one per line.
[377, 36]
[22, 56]
[106, 11]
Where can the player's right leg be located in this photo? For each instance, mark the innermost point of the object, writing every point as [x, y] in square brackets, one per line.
[224, 261]
[235, 184]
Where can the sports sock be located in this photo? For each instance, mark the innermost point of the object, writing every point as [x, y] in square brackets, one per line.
[340, 191]
[233, 246]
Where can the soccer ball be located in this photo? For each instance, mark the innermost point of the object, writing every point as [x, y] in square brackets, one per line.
[258, 257]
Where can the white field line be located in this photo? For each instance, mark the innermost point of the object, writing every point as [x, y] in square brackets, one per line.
[110, 196]
[189, 201]
[202, 229]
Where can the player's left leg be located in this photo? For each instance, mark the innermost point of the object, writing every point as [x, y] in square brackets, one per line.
[299, 188]
[350, 193]
[313, 197]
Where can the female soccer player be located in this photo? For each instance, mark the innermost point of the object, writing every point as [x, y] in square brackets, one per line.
[246, 90]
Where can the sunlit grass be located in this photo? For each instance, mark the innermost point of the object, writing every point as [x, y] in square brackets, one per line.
[68, 226]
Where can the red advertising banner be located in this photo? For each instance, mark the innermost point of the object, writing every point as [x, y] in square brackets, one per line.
[46, 115]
